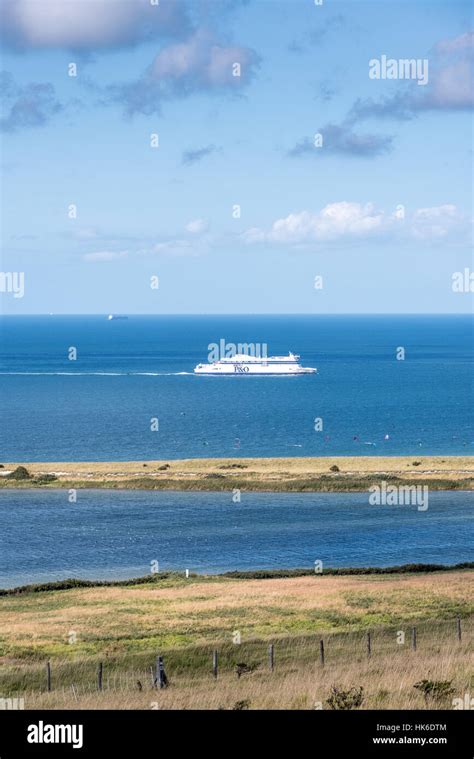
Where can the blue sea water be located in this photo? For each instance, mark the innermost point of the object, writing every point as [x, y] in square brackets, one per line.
[114, 534]
[127, 372]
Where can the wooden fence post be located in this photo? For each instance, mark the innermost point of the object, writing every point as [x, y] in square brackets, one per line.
[48, 675]
[99, 676]
[271, 657]
[161, 679]
[215, 664]
[369, 645]
[321, 652]
[413, 638]
[458, 629]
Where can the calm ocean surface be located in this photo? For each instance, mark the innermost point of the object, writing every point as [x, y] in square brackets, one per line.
[119, 533]
[99, 407]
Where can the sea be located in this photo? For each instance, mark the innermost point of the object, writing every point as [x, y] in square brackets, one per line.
[79, 388]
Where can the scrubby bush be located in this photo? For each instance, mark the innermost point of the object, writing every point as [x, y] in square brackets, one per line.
[20, 473]
[436, 690]
[345, 699]
[241, 705]
[241, 668]
[234, 466]
[45, 478]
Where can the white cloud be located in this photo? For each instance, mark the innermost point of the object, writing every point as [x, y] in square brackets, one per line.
[202, 62]
[197, 226]
[105, 255]
[453, 86]
[171, 247]
[355, 221]
[464, 42]
[450, 87]
[31, 105]
[88, 24]
[86, 233]
[197, 65]
[436, 222]
[334, 221]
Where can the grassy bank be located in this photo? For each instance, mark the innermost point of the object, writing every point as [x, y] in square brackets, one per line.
[213, 484]
[252, 574]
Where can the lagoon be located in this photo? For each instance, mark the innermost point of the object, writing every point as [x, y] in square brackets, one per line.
[119, 534]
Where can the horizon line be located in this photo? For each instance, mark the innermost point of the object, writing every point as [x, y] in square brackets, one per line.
[248, 313]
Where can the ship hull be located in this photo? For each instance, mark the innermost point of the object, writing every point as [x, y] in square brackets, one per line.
[245, 370]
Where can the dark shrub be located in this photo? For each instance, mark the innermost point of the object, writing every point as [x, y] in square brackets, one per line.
[436, 690]
[234, 466]
[345, 699]
[243, 669]
[45, 478]
[240, 705]
[20, 473]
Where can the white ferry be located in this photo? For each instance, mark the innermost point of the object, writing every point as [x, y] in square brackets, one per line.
[242, 364]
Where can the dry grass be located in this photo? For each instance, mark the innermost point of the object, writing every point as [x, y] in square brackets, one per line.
[203, 610]
[297, 683]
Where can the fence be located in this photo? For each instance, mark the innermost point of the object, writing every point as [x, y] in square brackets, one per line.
[320, 650]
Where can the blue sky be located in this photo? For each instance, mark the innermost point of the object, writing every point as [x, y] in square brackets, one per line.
[382, 211]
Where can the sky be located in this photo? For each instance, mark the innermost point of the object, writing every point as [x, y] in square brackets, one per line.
[236, 156]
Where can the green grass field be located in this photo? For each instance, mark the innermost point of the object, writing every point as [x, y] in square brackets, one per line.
[126, 626]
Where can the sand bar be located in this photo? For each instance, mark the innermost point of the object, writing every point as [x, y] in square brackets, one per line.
[297, 474]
